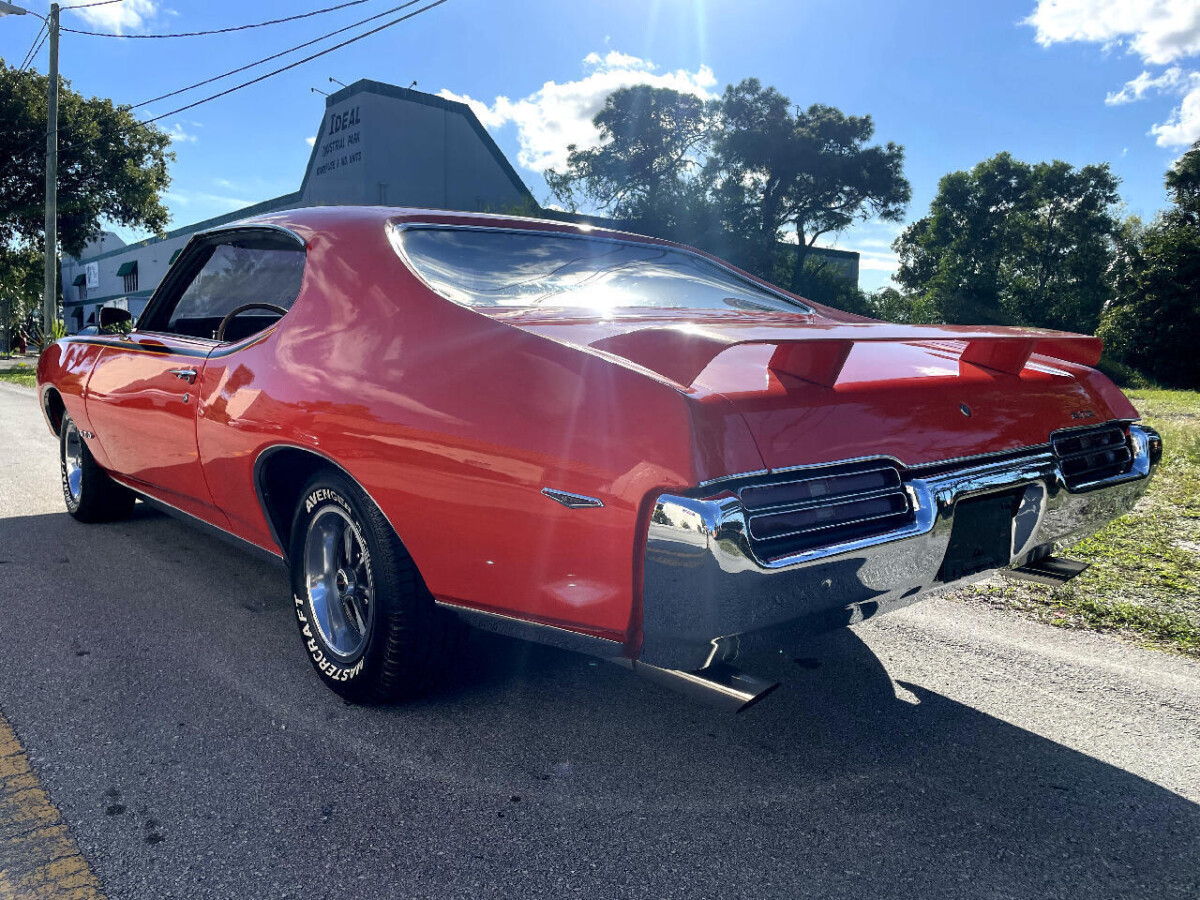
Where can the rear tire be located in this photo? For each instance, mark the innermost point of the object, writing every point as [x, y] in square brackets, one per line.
[90, 494]
[368, 622]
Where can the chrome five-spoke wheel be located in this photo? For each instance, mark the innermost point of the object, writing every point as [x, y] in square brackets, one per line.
[368, 622]
[337, 575]
[90, 494]
[72, 459]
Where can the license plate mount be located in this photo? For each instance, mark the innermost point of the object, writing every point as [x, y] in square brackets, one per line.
[981, 536]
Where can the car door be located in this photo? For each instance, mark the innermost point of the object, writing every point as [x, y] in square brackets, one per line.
[143, 398]
[141, 401]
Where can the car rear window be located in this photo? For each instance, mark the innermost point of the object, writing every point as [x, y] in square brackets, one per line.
[501, 268]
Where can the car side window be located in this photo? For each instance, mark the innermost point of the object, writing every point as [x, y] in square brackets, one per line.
[263, 270]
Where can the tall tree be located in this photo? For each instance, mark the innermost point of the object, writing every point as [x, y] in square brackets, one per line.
[111, 167]
[653, 141]
[1153, 321]
[811, 171]
[1183, 184]
[1014, 242]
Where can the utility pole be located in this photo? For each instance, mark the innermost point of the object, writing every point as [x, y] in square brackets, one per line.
[50, 297]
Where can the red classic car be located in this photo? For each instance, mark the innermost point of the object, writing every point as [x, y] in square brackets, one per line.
[588, 438]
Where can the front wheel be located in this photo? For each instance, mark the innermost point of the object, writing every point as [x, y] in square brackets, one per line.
[91, 496]
[367, 620]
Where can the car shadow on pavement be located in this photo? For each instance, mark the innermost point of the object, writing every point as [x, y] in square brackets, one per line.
[600, 784]
[844, 781]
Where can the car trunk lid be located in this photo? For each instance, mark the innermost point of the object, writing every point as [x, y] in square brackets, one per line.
[814, 390]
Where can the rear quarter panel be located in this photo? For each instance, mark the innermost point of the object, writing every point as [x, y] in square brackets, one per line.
[453, 423]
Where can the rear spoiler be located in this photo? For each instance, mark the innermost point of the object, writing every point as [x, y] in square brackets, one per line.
[816, 353]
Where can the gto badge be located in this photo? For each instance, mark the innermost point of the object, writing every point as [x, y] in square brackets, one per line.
[964, 409]
[1083, 414]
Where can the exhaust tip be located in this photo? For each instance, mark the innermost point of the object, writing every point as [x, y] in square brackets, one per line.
[721, 685]
[1049, 570]
[759, 697]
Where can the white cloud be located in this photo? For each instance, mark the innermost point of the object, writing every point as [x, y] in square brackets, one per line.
[1146, 83]
[558, 115]
[221, 201]
[311, 141]
[871, 261]
[179, 135]
[1159, 31]
[130, 15]
[1183, 127]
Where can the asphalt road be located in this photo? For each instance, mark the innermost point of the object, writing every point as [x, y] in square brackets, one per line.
[157, 683]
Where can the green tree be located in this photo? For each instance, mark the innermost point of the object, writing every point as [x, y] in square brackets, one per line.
[810, 171]
[653, 142]
[1183, 184]
[822, 283]
[111, 168]
[1013, 242]
[890, 305]
[737, 175]
[1153, 320]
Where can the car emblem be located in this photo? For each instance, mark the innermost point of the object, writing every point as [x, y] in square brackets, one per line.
[964, 409]
[572, 501]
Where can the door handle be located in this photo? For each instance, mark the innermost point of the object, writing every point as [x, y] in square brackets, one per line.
[188, 375]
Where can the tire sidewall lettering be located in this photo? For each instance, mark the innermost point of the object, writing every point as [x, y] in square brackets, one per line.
[329, 667]
[72, 503]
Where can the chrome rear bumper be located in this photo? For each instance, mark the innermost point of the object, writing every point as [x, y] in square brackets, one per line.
[707, 595]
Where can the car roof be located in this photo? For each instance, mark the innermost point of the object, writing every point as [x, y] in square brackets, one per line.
[321, 218]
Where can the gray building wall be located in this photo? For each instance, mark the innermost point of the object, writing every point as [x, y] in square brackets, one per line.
[385, 145]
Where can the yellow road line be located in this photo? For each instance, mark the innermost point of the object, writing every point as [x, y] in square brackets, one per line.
[38, 857]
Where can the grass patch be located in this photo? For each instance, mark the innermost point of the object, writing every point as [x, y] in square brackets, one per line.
[1144, 582]
[21, 373]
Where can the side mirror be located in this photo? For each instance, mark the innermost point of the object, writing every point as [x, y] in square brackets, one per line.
[113, 318]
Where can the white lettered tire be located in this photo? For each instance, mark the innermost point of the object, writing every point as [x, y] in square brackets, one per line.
[90, 495]
[368, 622]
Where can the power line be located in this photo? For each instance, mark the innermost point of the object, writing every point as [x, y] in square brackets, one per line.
[315, 12]
[32, 52]
[38, 49]
[64, 127]
[97, 3]
[266, 59]
[299, 62]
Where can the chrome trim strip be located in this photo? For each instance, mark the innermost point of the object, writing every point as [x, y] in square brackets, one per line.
[572, 501]
[1032, 448]
[245, 224]
[706, 587]
[757, 473]
[537, 632]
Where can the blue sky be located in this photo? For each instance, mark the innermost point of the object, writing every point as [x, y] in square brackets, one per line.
[953, 82]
